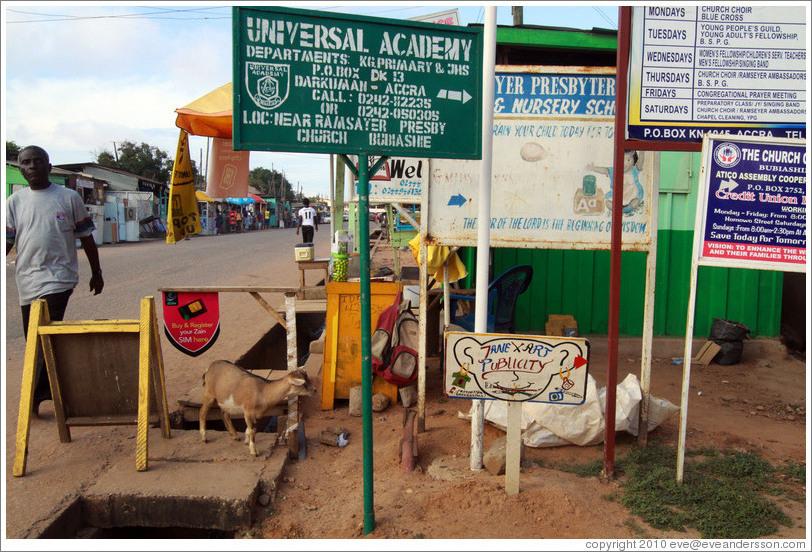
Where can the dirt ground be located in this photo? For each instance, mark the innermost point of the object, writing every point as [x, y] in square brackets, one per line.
[758, 405]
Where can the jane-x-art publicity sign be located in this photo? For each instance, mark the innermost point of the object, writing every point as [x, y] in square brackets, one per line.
[516, 368]
[191, 320]
[753, 203]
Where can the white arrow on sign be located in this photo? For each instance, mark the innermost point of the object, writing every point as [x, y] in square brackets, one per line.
[458, 95]
[728, 185]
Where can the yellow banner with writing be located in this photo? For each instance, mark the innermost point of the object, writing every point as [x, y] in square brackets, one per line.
[183, 215]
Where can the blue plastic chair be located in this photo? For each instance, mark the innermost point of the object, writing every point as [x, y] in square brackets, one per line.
[503, 293]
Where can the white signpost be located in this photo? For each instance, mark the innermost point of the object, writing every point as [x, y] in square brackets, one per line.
[751, 213]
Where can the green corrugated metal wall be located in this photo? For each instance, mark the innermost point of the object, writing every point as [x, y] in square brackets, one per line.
[577, 282]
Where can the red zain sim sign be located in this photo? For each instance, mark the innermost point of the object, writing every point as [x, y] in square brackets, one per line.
[191, 320]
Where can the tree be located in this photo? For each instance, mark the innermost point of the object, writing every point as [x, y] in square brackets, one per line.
[143, 160]
[270, 182]
[12, 150]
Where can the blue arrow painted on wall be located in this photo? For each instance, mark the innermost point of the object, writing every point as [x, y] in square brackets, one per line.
[458, 200]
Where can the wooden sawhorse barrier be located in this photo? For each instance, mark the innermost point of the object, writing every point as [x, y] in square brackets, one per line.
[100, 373]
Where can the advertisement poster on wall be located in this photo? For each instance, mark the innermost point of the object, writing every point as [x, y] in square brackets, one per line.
[228, 170]
[400, 179]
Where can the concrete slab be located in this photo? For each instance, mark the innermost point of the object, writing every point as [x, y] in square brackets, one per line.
[188, 484]
[186, 446]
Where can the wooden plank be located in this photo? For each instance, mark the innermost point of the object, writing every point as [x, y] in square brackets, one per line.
[56, 393]
[513, 447]
[113, 420]
[89, 326]
[328, 367]
[159, 379]
[144, 355]
[268, 308]
[232, 289]
[191, 414]
[311, 305]
[101, 366]
[27, 390]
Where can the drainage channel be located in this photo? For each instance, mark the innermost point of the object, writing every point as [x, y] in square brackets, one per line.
[79, 520]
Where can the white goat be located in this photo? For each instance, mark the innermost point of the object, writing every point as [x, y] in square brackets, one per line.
[240, 392]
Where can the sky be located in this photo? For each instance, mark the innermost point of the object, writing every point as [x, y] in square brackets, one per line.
[81, 76]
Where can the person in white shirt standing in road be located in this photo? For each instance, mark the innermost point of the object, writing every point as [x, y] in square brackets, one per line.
[308, 222]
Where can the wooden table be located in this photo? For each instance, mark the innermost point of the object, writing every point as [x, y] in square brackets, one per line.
[315, 264]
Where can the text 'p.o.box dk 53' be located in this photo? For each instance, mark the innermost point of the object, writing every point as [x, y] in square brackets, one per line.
[516, 368]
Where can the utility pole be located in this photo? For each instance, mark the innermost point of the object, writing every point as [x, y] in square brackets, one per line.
[517, 15]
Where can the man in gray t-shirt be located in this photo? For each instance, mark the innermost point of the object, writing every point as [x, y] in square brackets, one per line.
[43, 222]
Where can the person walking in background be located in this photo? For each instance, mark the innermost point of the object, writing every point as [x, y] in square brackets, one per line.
[43, 222]
[308, 222]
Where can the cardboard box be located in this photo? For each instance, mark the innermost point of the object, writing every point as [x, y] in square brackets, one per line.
[561, 325]
[706, 353]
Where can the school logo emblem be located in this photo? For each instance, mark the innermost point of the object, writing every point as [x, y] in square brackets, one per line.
[268, 84]
[727, 155]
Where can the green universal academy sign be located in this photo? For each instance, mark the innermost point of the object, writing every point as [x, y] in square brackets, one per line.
[311, 81]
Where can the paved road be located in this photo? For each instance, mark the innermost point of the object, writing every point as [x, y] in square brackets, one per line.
[133, 270]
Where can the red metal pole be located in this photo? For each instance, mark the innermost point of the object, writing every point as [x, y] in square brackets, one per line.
[623, 40]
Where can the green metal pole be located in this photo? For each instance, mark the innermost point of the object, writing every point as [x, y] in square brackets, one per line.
[366, 341]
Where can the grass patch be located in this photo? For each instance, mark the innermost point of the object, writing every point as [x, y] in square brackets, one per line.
[794, 472]
[723, 494]
[592, 469]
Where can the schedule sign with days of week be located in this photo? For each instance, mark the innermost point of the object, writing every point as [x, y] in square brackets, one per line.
[717, 68]
[754, 203]
[331, 83]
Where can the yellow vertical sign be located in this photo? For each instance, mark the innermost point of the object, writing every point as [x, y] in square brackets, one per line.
[183, 216]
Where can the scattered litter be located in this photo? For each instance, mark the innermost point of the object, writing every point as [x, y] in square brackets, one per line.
[335, 436]
[676, 360]
[707, 353]
[699, 393]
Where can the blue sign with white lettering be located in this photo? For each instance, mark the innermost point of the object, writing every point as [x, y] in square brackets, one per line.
[755, 210]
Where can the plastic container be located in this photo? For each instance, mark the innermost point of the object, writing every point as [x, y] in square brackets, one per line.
[343, 242]
[340, 267]
[303, 252]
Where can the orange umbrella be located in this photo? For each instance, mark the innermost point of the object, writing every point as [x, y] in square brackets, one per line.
[209, 115]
